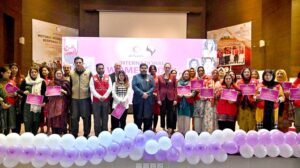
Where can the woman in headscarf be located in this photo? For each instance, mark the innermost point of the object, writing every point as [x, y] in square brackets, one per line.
[58, 105]
[267, 111]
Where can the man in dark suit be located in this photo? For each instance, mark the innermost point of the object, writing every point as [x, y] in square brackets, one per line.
[167, 94]
[143, 86]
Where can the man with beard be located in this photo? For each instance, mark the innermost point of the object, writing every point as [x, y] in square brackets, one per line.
[143, 86]
[100, 86]
[81, 100]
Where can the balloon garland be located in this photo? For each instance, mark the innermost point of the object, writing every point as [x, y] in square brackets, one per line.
[131, 142]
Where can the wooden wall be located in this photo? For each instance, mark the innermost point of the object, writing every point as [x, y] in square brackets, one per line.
[295, 39]
[63, 12]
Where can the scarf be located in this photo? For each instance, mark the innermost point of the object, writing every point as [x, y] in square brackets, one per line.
[36, 89]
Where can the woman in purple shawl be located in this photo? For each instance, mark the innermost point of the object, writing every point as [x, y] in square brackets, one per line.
[58, 105]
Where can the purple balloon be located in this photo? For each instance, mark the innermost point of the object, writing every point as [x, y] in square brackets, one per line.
[188, 149]
[86, 153]
[240, 138]
[160, 134]
[200, 149]
[277, 137]
[161, 155]
[177, 139]
[230, 147]
[140, 140]
[291, 138]
[173, 154]
[29, 152]
[13, 151]
[214, 148]
[149, 135]
[252, 138]
[127, 145]
[113, 148]
[57, 153]
[42, 152]
[100, 152]
[264, 138]
[71, 154]
[2, 150]
[147, 156]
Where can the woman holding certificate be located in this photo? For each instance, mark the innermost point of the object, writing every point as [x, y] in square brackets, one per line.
[58, 102]
[33, 89]
[283, 111]
[227, 109]
[296, 103]
[268, 100]
[185, 99]
[246, 110]
[120, 94]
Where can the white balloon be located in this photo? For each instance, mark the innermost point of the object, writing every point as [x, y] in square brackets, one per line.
[131, 130]
[262, 130]
[228, 134]
[95, 160]
[207, 159]
[67, 141]
[27, 139]
[24, 160]
[80, 143]
[193, 160]
[110, 158]
[53, 140]
[136, 154]
[164, 143]
[191, 137]
[118, 135]
[13, 139]
[273, 150]
[105, 138]
[10, 162]
[123, 154]
[296, 150]
[221, 156]
[181, 157]
[40, 140]
[52, 162]
[260, 151]
[93, 142]
[204, 138]
[286, 150]
[246, 151]
[80, 162]
[38, 163]
[151, 147]
[3, 139]
[65, 163]
[217, 136]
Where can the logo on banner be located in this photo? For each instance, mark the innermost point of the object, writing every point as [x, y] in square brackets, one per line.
[70, 47]
[142, 51]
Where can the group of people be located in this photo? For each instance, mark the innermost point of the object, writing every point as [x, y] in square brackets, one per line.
[154, 96]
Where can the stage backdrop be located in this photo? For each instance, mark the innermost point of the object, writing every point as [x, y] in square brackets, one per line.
[130, 52]
[234, 45]
[46, 42]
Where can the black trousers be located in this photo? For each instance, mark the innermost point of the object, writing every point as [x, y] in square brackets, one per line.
[119, 123]
[167, 109]
[226, 124]
[81, 108]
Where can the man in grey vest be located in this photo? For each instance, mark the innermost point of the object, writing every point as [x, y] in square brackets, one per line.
[81, 98]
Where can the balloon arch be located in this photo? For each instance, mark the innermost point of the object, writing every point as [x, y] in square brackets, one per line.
[131, 142]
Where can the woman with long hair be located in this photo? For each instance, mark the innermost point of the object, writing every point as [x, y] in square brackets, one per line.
[267, 111]
[120, 93]
[58, 105]
[156, 107]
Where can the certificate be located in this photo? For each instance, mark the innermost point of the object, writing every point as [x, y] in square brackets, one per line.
[207, 93]
[229, 94]
[286, 86]
[183, 90]
[53, 91]
[118, 111]
[11, 88]
[295, 94]
[197, 84]
[34, 99]
[248, 89]
[269, 94]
